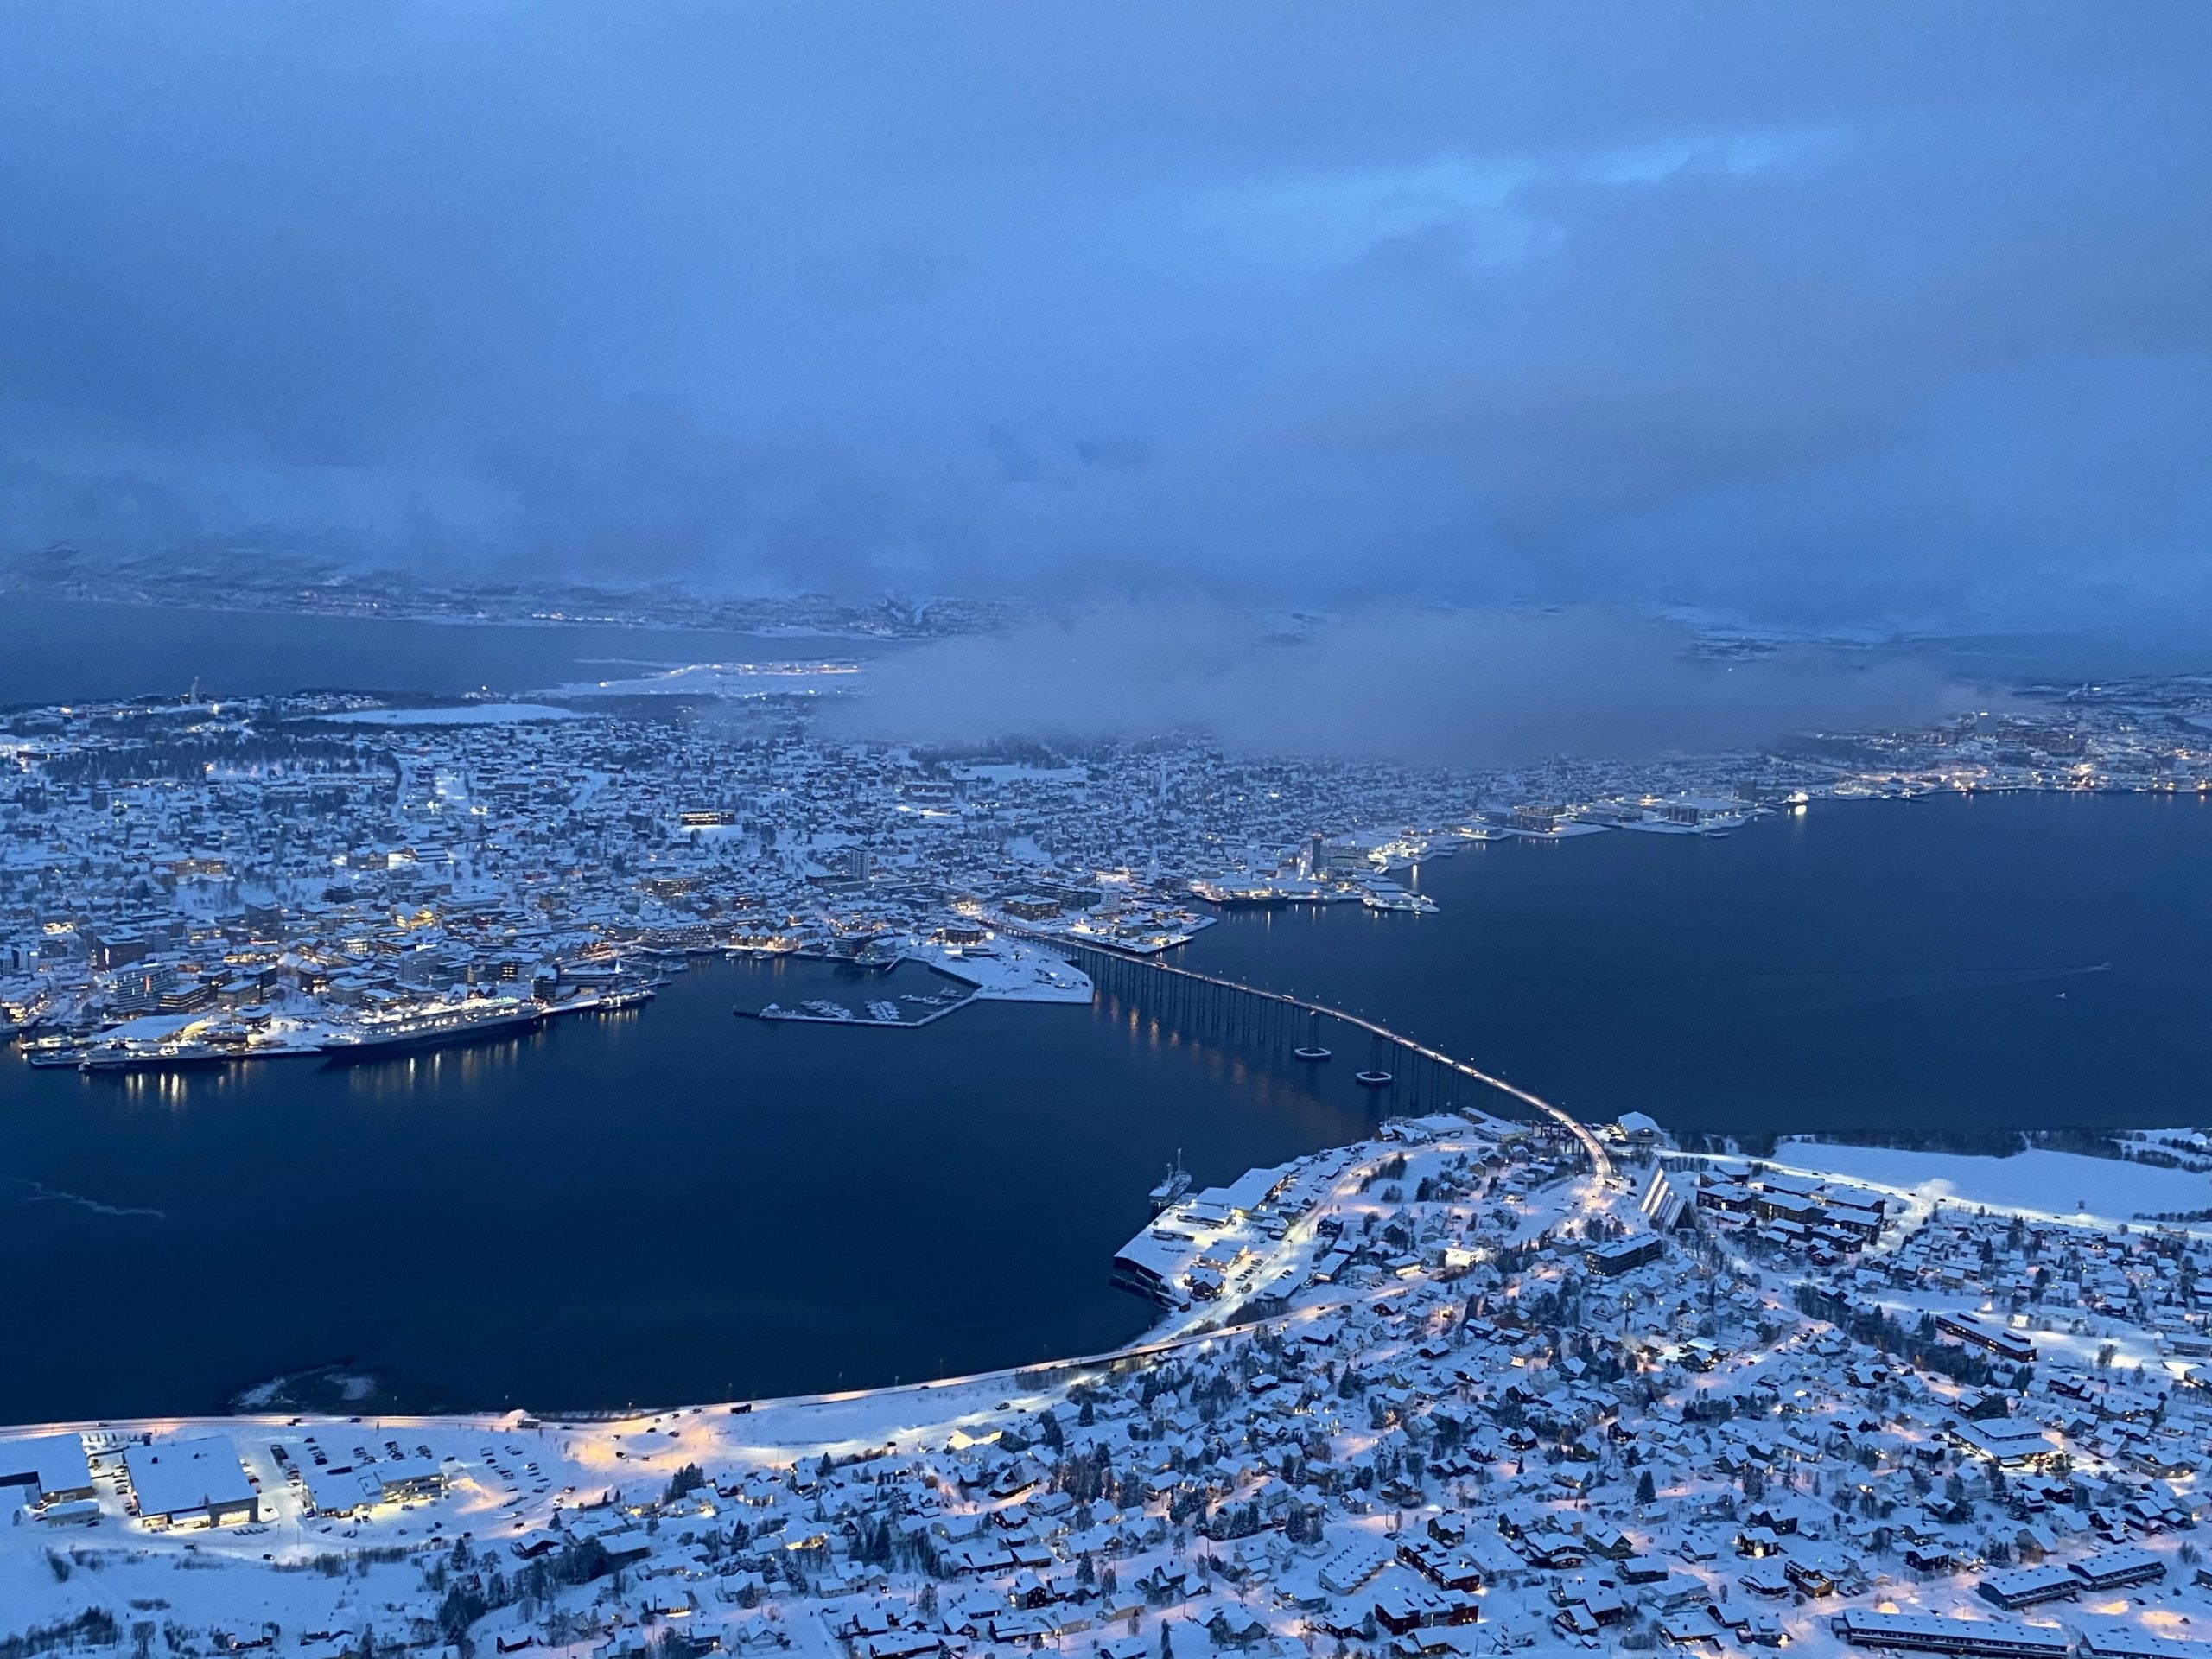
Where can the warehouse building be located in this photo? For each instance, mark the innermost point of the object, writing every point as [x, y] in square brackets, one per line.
[195, 1482]
[52, 1468]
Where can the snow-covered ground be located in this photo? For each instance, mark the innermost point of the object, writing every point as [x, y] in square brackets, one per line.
[1008, 970]
[467, 714]
[1465, 1422]
[471, 1500]
[2063, 1186]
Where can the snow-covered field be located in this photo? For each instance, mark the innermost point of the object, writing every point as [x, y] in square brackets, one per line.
[2036, 1182]
[470, 714]
[1011, 972]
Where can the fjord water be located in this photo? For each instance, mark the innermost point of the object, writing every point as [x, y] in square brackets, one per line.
[1952, 963]
[665, 1206]
[674, 1205]
[63, 651]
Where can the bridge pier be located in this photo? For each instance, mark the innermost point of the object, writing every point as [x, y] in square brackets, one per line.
[1184, 999]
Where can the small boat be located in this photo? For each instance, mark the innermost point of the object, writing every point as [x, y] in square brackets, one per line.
[1312, 1054]
[1373, 1079]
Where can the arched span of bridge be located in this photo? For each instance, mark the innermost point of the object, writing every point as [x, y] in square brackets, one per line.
[1121, 965]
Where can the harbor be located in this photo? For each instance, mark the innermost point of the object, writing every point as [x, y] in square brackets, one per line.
[1667, 943]
[173, 1043]
[837, 1174]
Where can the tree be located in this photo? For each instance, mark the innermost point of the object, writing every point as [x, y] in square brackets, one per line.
[1645, 1491]
[462, 1607]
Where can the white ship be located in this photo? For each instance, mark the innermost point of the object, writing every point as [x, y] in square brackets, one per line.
[1172, 1186]
[1389, 895]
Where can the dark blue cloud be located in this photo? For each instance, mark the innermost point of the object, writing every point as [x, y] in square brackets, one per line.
[1816, 313]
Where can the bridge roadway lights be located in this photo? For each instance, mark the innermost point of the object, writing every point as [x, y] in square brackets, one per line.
[1190, 988]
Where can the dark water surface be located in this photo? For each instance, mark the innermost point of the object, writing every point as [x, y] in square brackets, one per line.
[664, 1205]
[676, 1205]
[62, 651]
[1881, 964]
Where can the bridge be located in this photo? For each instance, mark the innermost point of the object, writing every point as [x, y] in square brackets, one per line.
[1195, 1001]
[1209, 1004]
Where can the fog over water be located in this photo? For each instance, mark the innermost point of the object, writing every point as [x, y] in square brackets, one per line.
[60, 651]
[1461, 687]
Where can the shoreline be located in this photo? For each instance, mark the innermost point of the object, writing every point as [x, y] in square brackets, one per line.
[1189, 1320]
[1175, 1330]
[1358, 1428]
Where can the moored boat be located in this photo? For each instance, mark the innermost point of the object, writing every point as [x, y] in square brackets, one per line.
[459, 1023]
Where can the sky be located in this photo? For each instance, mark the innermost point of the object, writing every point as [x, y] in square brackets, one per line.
[1831, 316]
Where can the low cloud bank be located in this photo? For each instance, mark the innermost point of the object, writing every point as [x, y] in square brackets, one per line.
[1462, 688]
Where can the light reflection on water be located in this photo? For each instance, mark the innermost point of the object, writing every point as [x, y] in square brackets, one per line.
[668, 1204]
[676, 1205]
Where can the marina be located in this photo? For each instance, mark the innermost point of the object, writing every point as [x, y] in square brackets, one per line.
[879, 1013]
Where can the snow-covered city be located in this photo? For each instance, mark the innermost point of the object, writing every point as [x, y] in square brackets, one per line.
[1484, 1383]
[1475, 1386]
[197, 881]
[863, 829]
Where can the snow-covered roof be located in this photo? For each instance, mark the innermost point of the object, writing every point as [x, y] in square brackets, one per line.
[181, 1477]
[45, 1463]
